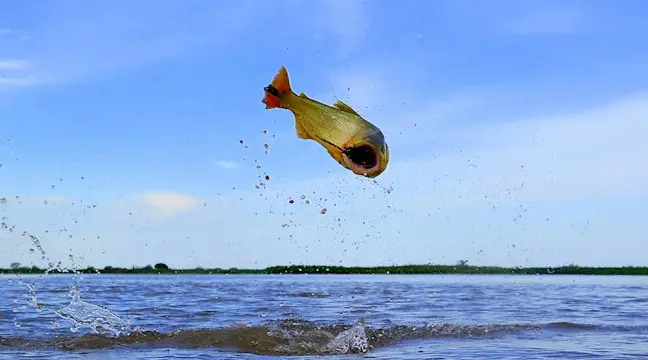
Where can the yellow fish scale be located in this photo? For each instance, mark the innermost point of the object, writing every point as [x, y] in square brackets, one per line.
[322, 121]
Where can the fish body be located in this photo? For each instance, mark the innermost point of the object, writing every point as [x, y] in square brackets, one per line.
[352, 141]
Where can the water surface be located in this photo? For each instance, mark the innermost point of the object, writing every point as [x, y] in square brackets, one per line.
[306, 316]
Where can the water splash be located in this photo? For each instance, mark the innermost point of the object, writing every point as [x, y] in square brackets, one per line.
[96, 318]
[32, 298]
[351, 341]
[81, 313]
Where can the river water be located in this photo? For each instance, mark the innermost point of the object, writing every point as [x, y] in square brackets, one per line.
[307, 316]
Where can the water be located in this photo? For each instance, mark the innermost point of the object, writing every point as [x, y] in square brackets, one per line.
[307, 316]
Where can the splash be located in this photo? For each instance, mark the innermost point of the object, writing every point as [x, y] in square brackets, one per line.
[81, 313]
[96, 318]
[351, 341]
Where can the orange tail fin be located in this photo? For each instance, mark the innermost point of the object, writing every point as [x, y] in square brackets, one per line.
[279, 87]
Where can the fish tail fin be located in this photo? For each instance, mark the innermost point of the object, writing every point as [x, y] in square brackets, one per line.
[277, 92]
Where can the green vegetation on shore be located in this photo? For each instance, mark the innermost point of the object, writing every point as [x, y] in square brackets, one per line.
[461, 268]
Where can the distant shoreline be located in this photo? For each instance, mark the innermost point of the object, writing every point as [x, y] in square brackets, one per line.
[342, 270]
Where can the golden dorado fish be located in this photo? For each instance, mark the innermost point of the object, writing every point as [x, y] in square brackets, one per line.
[351, 140]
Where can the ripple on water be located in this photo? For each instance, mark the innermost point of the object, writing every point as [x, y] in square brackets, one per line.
[418, 311]
[293, 337]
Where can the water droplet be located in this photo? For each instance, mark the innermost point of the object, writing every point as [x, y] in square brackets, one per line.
[3, 201]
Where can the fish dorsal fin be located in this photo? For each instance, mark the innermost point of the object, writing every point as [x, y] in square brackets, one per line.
[344, 107]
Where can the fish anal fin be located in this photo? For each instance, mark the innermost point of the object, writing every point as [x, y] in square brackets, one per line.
[344, 107]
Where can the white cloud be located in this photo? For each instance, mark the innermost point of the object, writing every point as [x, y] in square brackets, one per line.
[166, 204]
[11, 80]
[16, 72]
[4, 31]
[11, 64]
[227, 164]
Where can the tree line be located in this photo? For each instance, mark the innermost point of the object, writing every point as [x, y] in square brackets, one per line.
[461, 267]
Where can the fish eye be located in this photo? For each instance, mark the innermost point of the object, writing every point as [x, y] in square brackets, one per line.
[363, 155]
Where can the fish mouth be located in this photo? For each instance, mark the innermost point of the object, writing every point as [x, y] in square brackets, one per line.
[368, 160]
[365, 158]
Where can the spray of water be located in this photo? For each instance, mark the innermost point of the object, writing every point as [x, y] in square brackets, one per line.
[80, 313]
[100, 320]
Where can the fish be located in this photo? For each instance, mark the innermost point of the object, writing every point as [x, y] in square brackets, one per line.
[352, 141]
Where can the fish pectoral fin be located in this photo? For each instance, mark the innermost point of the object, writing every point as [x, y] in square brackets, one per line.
[334, 151]
[301, 132]
[344, 107]
[335, 154]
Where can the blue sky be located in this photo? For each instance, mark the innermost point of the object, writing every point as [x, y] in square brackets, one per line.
[516, 132]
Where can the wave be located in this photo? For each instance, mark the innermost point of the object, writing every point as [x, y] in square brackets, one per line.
[290, 337]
